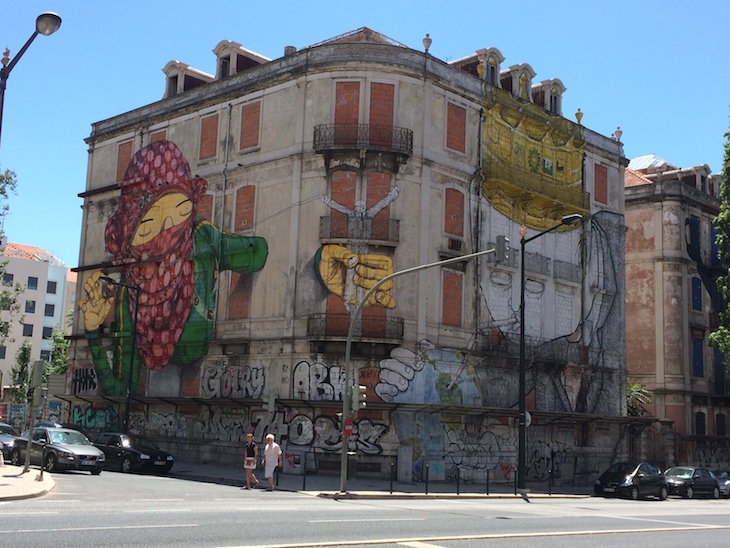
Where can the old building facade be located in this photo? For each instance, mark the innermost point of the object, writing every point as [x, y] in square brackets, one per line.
[249, 212]
[673, 305]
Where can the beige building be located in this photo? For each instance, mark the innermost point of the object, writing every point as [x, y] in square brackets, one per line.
[672, 306]
[250, 210]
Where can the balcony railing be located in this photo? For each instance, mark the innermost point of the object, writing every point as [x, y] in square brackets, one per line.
[338, 227]
[397, 140]
[566, 271]
[539, 264]
[336, 326]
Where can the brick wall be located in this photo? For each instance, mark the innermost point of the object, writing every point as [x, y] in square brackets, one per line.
[452, 295]
[343, 192]
[456, 128]
[240, 300]
[454, 213]
[209, 137]
[158, 136]
[600, 184]
[245, 200]
[378, 188]
[204, 207]
[124, 155]
[250, 122]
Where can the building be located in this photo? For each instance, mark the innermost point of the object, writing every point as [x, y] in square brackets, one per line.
[312, 177]
[48, 287]
[672, 306]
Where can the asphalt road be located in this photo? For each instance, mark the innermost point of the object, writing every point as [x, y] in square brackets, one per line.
[133, 510]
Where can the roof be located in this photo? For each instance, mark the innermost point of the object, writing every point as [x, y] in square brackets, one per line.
[30, 253]
[635, 178]
[649, 161]
[363, 34]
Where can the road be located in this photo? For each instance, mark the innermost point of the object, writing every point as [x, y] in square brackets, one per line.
[134, 510]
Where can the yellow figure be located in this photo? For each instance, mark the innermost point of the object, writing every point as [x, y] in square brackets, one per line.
[342, 272]
[170, 210]
[97, 304]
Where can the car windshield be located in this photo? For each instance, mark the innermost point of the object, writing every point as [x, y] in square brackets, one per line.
[9, 430]
[622, 468]
[722, 474]
[679, 472]
[69, 437]
[139, 441]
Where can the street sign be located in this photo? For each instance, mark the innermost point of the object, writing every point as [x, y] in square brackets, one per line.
[348, 427]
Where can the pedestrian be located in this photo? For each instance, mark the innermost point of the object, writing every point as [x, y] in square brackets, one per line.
[272, 459]
[250, 459]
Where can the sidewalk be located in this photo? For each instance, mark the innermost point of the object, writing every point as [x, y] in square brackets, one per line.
[15, 485]
[328, 485]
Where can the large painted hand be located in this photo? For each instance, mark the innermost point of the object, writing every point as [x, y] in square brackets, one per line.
[334, 263]
[97, 303]
[370, 270]
[397, 372]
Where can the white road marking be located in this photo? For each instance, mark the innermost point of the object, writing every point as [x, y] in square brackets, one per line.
[420, 545]
[362, 520]
[108, 528]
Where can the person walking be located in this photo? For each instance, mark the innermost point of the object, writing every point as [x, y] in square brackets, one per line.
[272, 459]
[250, 459]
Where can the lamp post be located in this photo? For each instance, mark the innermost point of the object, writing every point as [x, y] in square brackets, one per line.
[136, 290]
[522, 440]
[346, 407]
[46, 24]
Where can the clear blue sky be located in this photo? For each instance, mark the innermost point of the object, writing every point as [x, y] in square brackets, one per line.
[657, 68]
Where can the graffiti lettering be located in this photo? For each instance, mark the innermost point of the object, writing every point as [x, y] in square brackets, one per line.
[232, 382]
[84, 380]
[326, 434]
[217, 425]
[168, 425]
[318, 382]
[91, 419]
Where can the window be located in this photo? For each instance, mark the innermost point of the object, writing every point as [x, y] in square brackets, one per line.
[454, 214]
[720, 429]
[47, 332]
[600, 184]
[4, 328]
[51, 288]
[456, 128]
[5, 300]
[50, 310]
[451, 298]
[491, 73]
[30, 307]
[32, 282]
[46, 355]
[225, 66]
[172, 86]
[124, 156]
[700, 428]
[2, 352]
[698, 364]
[719, 369]
[696, 294]
[555, 101]
[27, 330]
[250, 125]
[209, 137]
[8, 279]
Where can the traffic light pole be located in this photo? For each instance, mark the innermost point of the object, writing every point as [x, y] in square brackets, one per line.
[346, 393]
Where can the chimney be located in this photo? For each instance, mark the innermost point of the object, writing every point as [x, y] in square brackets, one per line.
[289, 50]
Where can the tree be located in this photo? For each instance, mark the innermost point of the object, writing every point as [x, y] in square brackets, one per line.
[636, 398]
[20, 374]
[59, 353]
[721, 337]
[9, 291]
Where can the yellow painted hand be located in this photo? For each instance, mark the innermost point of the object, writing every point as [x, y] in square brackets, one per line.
[370, 270]
[97, 304]
[335, 261]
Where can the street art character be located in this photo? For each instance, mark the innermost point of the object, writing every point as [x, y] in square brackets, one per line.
[342, 272]
[172, 257]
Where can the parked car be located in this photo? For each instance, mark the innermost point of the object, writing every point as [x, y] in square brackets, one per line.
[7, 439]
[59, 449]
[723, 478]
[633, 480]
[129, 452]
[688, 481]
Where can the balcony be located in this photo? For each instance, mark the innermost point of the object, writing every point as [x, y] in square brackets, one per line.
[334, 327]
[341, 229]
[396, 142]
[566, 271]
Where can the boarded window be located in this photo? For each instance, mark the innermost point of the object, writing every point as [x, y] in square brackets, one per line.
[696, 294]
[700, 424]
[381, 114]
[456, 128]
[238, 305]
[347, 112]
[250, 125]
[209, 137]
[378, 188]
[124, 155]
[245, 198]
[343, 192]
[452, 295]
[698, 362]
[600, 184]
[454, 213]
[158, 136]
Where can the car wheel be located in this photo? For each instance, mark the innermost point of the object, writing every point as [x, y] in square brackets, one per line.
[634, 494]
[663, 494]
[51, 463]
[126, 464]
[689, 493]
[96, 471]
[15, 458]
[715, 493]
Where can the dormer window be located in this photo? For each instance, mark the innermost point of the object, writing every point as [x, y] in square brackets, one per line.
[224, 66]
[518, 80]
[171, 86]
[554, 101]
[491, 72]
[549, 95]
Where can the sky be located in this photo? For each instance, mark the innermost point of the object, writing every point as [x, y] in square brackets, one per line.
[659, 69]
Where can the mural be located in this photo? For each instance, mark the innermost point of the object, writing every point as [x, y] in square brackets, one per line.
[173, 258]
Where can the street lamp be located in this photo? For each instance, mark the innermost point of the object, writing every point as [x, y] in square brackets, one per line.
[346, 407]
[136, 290]
[522, 441]
[46, 24]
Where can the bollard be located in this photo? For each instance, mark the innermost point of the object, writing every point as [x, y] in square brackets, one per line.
[304, 474]
[458, 480]
[550, 481]
[487, 481]
[515, 482]
[392, 472]
[276, 476]
[43, 461]
[427, 479]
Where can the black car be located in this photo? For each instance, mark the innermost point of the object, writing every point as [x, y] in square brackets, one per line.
[129, 452]
[688, 481]
[7, 439]
[59, 449]
[633, 480]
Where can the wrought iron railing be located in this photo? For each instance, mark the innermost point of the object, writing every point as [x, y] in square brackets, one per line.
[539, 264]
[363, 137]
[336, 326]
[358, 228]
[566, 271]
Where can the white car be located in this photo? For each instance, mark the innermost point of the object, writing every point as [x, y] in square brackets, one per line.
[723, 478]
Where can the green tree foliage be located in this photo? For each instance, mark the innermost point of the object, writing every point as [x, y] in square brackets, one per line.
[9, 292]
[20, 374]
[636, 398]
[721, 337]
[59, 353]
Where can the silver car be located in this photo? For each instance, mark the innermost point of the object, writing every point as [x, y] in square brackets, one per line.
[59, 449]
[7, 439]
